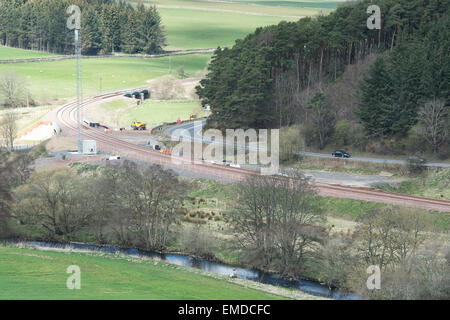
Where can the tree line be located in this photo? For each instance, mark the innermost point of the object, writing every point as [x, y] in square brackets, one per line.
[280, 227]
[276, 224]
[271, 77]
[128, 204]
[106, 26]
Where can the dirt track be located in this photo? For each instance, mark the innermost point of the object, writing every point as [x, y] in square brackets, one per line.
[66, 117]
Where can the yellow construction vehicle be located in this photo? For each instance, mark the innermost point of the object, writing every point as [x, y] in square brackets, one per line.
[192, 116]
[138, 125]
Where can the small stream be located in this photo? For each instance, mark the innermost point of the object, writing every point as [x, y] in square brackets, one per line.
[307, 286]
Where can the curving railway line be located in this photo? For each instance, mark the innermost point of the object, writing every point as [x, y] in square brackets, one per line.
[67, 119]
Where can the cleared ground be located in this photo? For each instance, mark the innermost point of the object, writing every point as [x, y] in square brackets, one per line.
[28, 116]
[32, 274]
[434, 184]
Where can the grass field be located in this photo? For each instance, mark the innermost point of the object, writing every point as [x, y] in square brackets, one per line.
[121, 113]
[190, 28]
[156, 112]
[7, 53]
[321, 4]
[56, 79]
[209, 24]
[270, 8]
[32, 274]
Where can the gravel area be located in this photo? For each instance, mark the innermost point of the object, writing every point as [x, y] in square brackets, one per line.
[348, 179]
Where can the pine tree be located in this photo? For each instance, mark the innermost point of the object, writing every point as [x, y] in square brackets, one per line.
[322, 120]
[375, 109]
[91, 36]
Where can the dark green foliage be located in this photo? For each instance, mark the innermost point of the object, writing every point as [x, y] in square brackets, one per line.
[375, 109]
[322, 119]
[243, 87]
[107, 26]
[91, 37]
[242, 90]
[416, 71]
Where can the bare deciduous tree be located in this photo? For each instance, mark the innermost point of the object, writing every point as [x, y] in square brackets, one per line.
[424, 276]
[129, 203]
[8, 127]
[52, 200]
[435, 119]
[197, 240]
[168, 88]
[14, 170]
[389, 236]
[338, 262]
[150, 195]
[13, 90]
[275, 220]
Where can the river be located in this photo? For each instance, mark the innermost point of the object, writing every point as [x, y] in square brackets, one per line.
[310, 287]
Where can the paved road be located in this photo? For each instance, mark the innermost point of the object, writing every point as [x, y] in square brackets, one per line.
[374, 160]
[193, 129]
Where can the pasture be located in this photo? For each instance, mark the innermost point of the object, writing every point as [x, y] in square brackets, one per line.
[7, 53]
[121, 114]
[317, 4]
[33, 274]
[193, 28]
[158, 112]
[53, 80]
[208, 24]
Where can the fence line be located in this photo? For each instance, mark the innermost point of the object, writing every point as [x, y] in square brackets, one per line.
[151, 56]
[22, 147]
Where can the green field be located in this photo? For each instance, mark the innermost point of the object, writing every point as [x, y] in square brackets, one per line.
[7, 53]
[153, 113]
[244, 6]
[56, 79]
[321, 4]
[209, 24]
[32, 274]
[156, 112]
[190, 28]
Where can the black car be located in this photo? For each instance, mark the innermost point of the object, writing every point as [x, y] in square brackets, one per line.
[340, 154]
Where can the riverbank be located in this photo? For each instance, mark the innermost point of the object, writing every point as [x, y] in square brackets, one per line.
[40, 272]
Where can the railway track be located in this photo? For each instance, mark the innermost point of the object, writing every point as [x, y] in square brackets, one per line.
[67, 118]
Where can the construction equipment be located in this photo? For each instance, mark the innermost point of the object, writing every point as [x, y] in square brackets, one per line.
[144, 94]
[192, 117]
[138, 125]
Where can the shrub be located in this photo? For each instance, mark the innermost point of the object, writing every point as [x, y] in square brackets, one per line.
[197, 240]
[349, 133]
[416, 165]
[290, 143]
